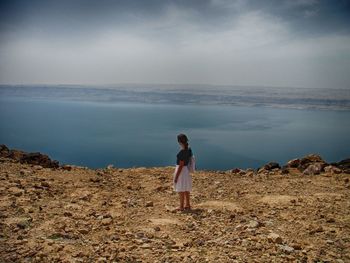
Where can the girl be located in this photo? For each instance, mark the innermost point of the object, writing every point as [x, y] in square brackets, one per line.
[182, 177]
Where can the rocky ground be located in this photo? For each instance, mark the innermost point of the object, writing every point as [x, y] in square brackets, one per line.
[75, 214]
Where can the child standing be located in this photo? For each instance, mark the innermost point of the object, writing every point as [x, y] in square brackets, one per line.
[182, 176]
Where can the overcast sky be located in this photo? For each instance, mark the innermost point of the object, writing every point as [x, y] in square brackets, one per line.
[301, 43]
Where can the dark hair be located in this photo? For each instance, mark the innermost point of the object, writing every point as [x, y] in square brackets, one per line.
[183, 139]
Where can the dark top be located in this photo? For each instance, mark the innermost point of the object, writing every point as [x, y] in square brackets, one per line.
[184, 155]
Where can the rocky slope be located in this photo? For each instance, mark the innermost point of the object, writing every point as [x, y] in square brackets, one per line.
[75, 214]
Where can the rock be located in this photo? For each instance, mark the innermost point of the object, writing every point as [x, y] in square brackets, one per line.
[313, 169]
[262, 170]
[106, 221]
[344, 165]
[84, 231]
[275, 238]
[296, 246]
[241, 172]
[4, 151]
[140, 235]
[235, 170]
[156, 228]
[271, 165]
[37, 167]
[45, 184]
[287, 249]
[149, 204]
[253, 224]
[332, 169]
[249, 174]
[15, 191]
[285, 170]
[66, 167]
[200, 242]
[16, 155]
[67, 214]
[25, 172]
[293, 163]
[24, 223]
[310, 159]
[39, 159]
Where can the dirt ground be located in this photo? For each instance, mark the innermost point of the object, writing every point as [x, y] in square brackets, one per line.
[127, 215]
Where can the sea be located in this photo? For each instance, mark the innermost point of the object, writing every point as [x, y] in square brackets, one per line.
[136, 125]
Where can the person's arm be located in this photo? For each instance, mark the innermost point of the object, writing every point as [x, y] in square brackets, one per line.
[181, 164]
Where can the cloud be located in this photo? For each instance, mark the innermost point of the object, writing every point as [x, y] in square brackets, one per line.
[223, 42]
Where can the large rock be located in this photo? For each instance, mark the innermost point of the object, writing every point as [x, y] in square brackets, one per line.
[39, 159]
[271, 165]
[344, 165]
[4, 151]
[313, 169]
[16, 155]
[35, 158]
[293, 163]
[332, 169]
[310, 159]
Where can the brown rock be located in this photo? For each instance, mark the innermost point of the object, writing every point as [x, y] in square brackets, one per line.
[275, 238]
[106, 221]
[149, 204]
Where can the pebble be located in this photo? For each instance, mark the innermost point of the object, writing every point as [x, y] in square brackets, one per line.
[287, 249]
[275, 238]
[253, 224]
[149, 204]
[106, 221]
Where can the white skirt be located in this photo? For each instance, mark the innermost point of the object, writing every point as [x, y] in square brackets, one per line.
[184, 181]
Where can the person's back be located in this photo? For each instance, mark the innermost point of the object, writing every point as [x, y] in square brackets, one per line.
[182, 177]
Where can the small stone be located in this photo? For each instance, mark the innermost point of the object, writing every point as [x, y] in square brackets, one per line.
[140, 235]
[296, 246]
[67, 167]
[67, 214]
[83, 231]
[24, 223]
[25, 172]
[287, 249]
[253, 224]
[275, 238]
[45, 184]
[200, 242]
[106, 221]
[149, 204]
[156, 228]
[329, 241]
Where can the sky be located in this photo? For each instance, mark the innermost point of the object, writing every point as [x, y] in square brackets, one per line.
[284, 43]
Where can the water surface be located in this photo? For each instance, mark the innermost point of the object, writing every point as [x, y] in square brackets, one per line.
[137, 134]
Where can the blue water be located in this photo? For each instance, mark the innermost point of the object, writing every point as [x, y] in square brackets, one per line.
[135, 134]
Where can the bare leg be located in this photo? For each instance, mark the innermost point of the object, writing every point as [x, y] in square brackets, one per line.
[187, 200]
[182, 197]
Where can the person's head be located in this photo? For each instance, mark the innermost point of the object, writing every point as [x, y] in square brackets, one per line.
[183, 140]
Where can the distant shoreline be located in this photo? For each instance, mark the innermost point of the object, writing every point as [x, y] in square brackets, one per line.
[291, 98]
